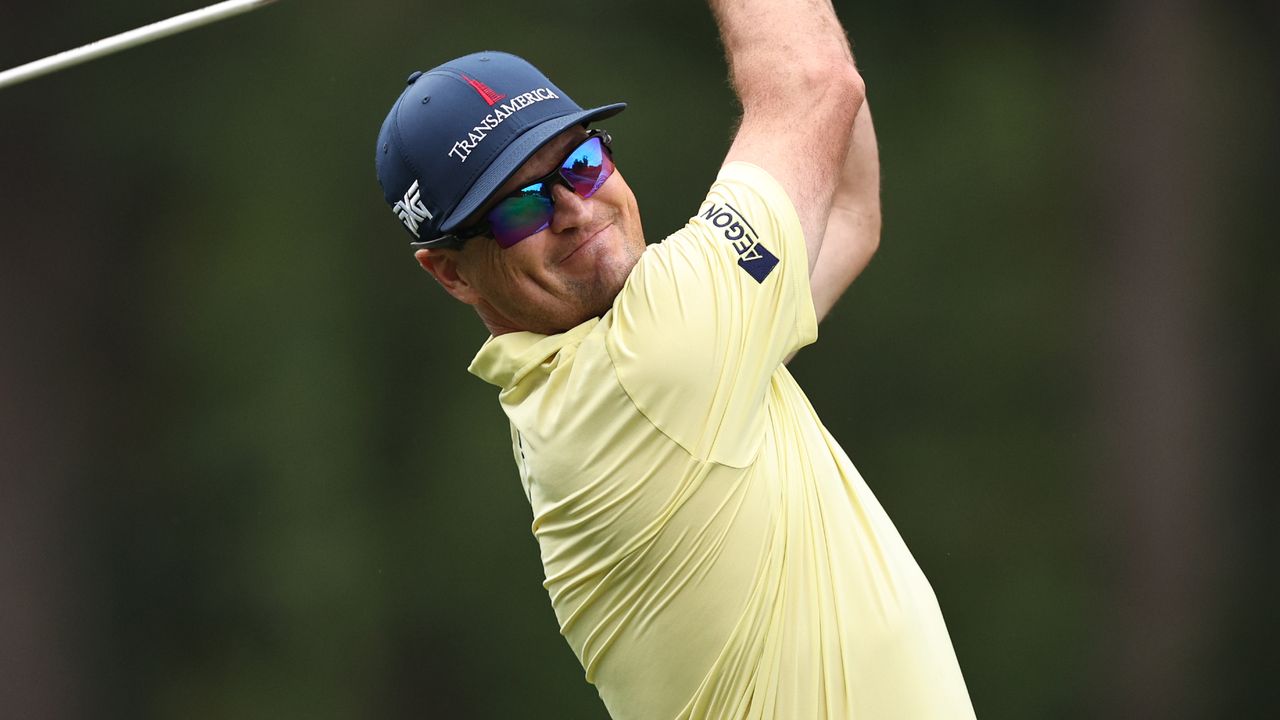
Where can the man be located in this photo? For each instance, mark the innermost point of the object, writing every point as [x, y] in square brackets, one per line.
[709, 549]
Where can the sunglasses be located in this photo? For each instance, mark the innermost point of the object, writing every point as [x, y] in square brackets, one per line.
[528, 211]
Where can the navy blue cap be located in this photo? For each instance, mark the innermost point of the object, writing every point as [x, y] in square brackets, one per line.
[461, 130]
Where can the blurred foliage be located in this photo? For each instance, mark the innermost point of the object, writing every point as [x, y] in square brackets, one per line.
[292, 501]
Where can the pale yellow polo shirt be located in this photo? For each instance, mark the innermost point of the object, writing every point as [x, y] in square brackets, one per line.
[709, 549]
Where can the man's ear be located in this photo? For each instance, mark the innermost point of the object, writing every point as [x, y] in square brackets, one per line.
[442, 264]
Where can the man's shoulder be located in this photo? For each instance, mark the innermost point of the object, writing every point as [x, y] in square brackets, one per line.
[513, 358]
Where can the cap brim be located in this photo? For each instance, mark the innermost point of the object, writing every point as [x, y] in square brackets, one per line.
[515, 155]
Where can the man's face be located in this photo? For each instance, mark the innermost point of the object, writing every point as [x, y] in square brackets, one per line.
[561, 276]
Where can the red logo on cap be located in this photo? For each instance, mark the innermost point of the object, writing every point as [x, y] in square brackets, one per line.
[485, 91]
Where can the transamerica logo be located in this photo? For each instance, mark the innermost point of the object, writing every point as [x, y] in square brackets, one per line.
[411, 211]
[485, 91]
[462, 149]
[752, 256]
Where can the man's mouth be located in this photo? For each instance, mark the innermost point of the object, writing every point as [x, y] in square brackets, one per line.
[584, 243]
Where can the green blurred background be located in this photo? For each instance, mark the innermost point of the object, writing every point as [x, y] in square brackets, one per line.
[243, 473]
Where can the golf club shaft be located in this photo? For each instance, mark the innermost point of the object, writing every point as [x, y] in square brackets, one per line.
[125, 40]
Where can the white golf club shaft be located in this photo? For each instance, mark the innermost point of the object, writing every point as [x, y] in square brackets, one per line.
[125, 40]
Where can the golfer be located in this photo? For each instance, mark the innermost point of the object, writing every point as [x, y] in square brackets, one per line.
[710, 550]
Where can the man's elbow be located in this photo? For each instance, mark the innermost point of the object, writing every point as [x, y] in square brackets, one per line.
[868, 237]
[873, 244]
[833, 90]
[862, 246]
[855, 227]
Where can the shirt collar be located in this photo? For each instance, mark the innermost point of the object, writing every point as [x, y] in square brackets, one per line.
[504, 360]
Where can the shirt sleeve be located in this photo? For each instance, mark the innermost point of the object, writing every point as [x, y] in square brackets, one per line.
[709, 314]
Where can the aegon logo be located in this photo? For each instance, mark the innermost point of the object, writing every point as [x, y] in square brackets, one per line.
[463, 147]
[752, 256]
[411, 211]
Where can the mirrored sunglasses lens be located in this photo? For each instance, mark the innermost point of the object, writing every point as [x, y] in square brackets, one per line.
[520, 216]
[587, 168]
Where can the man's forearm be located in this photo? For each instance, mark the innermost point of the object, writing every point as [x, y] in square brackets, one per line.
[791, 67]
[853, 227]
[766, 40]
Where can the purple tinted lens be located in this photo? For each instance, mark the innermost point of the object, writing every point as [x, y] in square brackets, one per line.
[528, 211]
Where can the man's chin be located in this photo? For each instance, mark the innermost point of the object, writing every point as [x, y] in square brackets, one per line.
[594, 297]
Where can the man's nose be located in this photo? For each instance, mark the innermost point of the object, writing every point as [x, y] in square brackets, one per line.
[571, 210]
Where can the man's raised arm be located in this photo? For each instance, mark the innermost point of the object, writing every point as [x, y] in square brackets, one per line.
[853, 227]
[790, 64]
